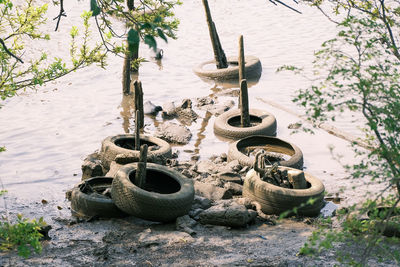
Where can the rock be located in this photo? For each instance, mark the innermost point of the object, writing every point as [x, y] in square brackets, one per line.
[233, 188]
[211, 191]
[233, 166]
[228, 213]
[185, 224]
[329, 210]
[114, 167]
[195, 213]
[174, 133]
[185, 112]
[151, 109]
[200, 202]
[92, 166]
[230, 177]
[206, 166]
[202, 101]
[168, 110]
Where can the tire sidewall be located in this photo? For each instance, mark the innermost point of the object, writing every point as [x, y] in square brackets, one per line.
[275, 199]
[253, 69]
[109, 150]
[295, 161]
[223, 129]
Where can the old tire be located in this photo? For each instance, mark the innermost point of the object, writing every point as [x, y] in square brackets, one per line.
[171, 197]
[275, 200]
[253, 69]
[227, 125]
[269, 144]
[113, 146]
[89, 205]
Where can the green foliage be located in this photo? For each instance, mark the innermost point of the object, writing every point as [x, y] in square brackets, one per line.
[2, 149]
[148, 20]
[359, 71]
[19, 25]
[22, 235]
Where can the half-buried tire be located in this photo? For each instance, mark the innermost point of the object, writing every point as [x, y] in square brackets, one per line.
[227, 125]
[89, 198]
[124, 144]
[166, 195]
[253, 69]
[276, 200]
[293, 156]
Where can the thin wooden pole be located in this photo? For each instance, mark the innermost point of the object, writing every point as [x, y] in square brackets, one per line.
[241, 61]
[219, 54]
[126, 76]
[137, 130]
[138, 94]
[140, 176]
[244, 107]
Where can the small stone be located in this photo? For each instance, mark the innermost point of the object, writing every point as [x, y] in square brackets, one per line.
[233, 188]
[200, 202]
[195, 213]
[211, 191]
[206, 166]
[230, 177]
[228, 213]
[174, 133]
[92, 166]
[185, 224]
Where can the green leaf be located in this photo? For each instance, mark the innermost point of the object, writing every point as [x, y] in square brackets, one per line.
[162, 35]
[94, 8]
[150, 41]
[133, 37]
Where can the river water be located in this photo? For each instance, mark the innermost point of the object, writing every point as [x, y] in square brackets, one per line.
[49, 132]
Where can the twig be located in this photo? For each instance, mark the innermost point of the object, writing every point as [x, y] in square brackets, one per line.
[9, 52]
[285, 5]
[61, 14]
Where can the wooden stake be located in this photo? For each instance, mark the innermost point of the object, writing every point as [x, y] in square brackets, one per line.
[244, 106]
[242, 72]
[140, 176]
[137, 130]
[126, 76]
[138, 94]
[219, 54]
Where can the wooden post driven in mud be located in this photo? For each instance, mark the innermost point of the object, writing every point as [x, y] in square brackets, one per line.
[140, 176]
[220, 58]
[244, 105]
[138, 94]
[241, 61]
[137, 130]
[126, 76]
[129, 57]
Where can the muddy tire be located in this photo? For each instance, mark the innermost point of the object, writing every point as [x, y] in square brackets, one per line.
[84, 204]
[227, 125]
[253, 69]
[167, 194]
[114, 145]
[269, 144]
[275, 200]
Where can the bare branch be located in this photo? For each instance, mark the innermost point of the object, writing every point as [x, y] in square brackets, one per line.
[9, 52]
[61, 14]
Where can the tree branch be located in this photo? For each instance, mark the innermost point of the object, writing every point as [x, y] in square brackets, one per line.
[61, 14]
[9, 52]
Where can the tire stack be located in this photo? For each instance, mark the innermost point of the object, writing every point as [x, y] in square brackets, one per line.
[166, 194]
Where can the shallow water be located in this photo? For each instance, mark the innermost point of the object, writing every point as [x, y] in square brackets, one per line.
[48, 133]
